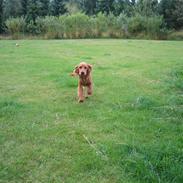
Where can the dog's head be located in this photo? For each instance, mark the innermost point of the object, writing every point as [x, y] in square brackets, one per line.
[83, 69]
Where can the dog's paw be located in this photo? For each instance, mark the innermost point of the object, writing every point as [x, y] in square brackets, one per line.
[89, 93]
[81, 100]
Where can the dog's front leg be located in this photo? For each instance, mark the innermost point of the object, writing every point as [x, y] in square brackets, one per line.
[90, 89]
[80, 93]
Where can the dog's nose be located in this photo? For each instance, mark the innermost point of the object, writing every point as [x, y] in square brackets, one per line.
[82, 73]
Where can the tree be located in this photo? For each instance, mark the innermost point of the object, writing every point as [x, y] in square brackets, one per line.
[58, 7]
[24, 4]
[133, 2]
[124, 6]
[12, 8]
[44, 7]
[73, 6]
[1, 16]
[172, 11]
[147, 7]
[33, 11]
[89, 6]
[105, 6]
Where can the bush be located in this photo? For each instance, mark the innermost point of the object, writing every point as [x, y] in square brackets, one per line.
[148, 27]
[153, 26]
[77, 25]
[101, 24]
[178, 35]
[52, 27]
[122, 23]
[15, 26]
[112, 26]
[136, 24]
[32, 28]
[80, 25]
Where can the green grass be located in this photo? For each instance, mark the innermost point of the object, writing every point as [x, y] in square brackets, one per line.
[133, 122]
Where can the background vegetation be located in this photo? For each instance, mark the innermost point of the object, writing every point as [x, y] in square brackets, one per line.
[150, 19]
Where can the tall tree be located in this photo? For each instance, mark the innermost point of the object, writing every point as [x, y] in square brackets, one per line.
[124, 6]
[147, 7]
[12, 8]
[58, 7]
[1, 16]
[89, 6]
[74, 6]
[24, 4]
[105, 6]
[172, 11]
[33, 10]
[44, 7]
[133, 2]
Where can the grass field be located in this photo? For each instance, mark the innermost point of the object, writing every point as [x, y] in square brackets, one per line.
[130, 130]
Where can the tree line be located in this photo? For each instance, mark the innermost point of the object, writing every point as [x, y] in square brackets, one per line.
[27, 14]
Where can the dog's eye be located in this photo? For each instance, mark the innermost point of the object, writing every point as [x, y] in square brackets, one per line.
[80, 67]
[85, 67]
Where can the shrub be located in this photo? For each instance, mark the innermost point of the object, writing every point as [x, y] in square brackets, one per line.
[136, 24]
[77, 26]
[112, 26]
[178, 35]
[92, 31]
[122, 23]
[70, 27]
[32, 28]
[15, 26]
[52, 27]
[101, 24]
[153, 26]
[80, 25]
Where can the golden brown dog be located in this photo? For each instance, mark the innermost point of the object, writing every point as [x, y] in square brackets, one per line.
[83, 70]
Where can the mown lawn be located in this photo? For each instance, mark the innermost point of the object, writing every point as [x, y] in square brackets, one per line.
[130, 130]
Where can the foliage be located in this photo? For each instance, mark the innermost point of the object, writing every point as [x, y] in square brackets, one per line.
[54, 27]
[72, 7]
[136, 24]
[80, 25]
[122, 22]
[176, 35]
[16, 25]
[12, 8]
[44, 7]
[147, 7]
[33, 11]
[57, 7]
[89, 6]
[1, 16]
[101, 18]
[124, 6]
[105, 6]
[24, 4]
[101, 24]
[172, 13]
[154, 26]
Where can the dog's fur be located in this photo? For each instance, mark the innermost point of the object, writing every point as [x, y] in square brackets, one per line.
[83, 70]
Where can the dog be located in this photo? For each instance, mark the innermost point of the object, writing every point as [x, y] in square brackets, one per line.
[83, 70]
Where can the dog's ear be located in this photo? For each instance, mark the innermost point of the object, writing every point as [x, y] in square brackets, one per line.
[76, 69]
[89, 67]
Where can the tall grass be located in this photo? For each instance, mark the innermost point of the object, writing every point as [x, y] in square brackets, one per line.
[15, 26]
[80, 25]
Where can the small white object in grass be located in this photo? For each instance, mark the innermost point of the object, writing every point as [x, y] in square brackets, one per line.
[17, 44]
